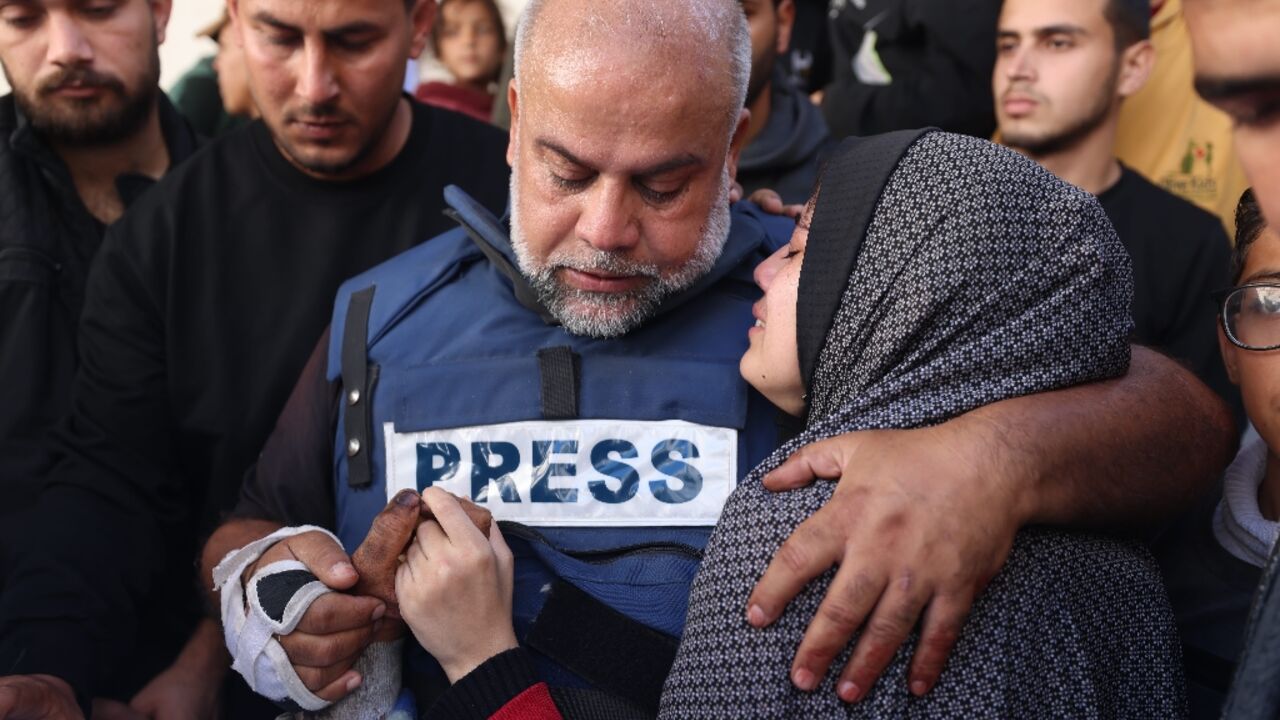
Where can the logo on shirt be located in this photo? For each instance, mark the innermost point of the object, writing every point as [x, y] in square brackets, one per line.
[1194, 179]
[575, 473]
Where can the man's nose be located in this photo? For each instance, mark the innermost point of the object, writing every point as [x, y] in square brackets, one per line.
[608, 219]
[67, 42]
[316, 83]
[1021, 65]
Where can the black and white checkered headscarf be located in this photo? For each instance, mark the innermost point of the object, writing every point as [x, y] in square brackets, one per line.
[968, 276]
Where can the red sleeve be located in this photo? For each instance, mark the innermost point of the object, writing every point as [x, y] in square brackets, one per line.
[534, 703]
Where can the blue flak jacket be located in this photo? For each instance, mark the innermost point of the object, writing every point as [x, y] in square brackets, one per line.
[615, 493]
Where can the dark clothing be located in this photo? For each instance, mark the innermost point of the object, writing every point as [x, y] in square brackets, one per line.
[787, 154]
[1180, 255]
[929, 63]
[47, 240]
[201, 309]
[1255, 691]
[196, 95]
[1210, 590]
[808, 57]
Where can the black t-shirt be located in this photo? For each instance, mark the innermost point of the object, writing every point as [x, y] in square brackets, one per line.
[1180, 255]
[201, 310]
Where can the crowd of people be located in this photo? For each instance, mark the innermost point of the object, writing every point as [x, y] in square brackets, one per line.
[729, 358]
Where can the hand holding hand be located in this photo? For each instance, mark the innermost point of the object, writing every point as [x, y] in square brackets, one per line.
[337, 627]
[915, 525]
[455, 588]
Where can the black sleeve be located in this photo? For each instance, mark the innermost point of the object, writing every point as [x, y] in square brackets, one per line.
[291, 483]
[114, 510]
[484, 691]
[1192, 334]
[940, 55]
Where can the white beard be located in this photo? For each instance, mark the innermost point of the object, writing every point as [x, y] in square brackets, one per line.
[604, 315]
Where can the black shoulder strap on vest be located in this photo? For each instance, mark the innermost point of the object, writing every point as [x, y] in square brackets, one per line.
[357, 387]
[856, 174]
[525, 294]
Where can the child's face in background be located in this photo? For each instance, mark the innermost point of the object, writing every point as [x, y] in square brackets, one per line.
[1258, 372]
[470, 43]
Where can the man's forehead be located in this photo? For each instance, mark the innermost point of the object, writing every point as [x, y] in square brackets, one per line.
[1234, 40]
[325, 15]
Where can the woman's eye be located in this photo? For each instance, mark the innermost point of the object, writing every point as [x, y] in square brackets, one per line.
[790, 254]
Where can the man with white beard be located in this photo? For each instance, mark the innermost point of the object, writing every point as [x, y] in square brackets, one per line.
[577, 374]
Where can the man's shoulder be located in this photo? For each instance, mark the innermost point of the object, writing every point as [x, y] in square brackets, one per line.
[203, 180]
[773, 231]
[447, 128]
[1169, 211]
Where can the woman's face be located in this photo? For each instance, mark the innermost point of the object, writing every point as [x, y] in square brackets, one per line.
[772, 362]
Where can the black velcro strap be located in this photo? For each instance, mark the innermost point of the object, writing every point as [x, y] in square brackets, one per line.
[277, 589]
[602, 646]
[559, 368]
[356, 390]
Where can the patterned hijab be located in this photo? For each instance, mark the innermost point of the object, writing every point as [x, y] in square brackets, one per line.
[943, 273]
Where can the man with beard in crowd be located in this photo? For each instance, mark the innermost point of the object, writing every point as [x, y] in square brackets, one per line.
[83, 133]
[199, 314]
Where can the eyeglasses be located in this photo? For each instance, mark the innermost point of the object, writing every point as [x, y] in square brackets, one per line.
[1251, 315]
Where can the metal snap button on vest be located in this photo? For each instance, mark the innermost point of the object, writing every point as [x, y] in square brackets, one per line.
[353, 447]
[353, 397]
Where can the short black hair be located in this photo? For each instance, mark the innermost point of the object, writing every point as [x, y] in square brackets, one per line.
[1249, 226]
[1130, 21]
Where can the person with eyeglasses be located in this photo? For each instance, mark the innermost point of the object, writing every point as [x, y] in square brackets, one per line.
[1212, 559]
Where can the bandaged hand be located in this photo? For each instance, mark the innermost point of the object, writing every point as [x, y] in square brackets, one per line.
[454, 588]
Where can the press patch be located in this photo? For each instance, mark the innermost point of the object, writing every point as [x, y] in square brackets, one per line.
[575, 473]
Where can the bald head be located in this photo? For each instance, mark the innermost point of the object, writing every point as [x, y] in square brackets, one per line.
[560, 41]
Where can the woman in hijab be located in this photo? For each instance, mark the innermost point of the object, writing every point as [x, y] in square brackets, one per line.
[934, 274]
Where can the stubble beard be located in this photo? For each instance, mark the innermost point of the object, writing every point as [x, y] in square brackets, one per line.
[90, 123]
[607, 315]
[1052, 142]
[337, 167]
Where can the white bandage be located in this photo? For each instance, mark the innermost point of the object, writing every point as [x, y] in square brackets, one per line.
[250, 629]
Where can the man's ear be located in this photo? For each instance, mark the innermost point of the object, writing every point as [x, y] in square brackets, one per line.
[786, 19]
[160, 11]
[1228, 350]
[513, 102]
[1136, 64]
[737, 142]
[421, 17]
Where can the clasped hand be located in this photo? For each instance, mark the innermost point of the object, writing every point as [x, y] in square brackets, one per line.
[452, 577]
